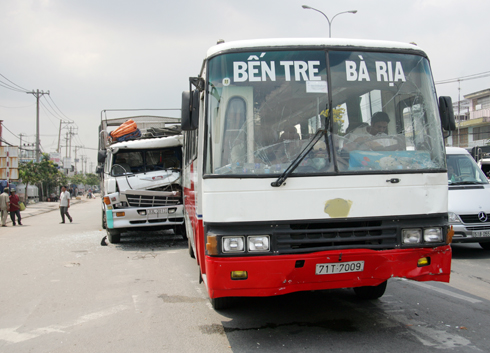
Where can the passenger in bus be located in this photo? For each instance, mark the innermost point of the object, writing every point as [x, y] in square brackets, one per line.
[364, 136]
[291, 144]
[289, 133]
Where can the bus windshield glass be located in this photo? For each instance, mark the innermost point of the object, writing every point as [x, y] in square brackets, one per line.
[265, 107]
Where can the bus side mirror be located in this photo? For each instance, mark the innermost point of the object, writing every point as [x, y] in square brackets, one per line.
[99, 170]
[447, 114]
[190, 110]
[101, 155]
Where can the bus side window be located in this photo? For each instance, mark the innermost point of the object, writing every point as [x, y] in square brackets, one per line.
[234, 134]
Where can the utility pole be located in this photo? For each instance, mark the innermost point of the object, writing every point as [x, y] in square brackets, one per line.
[20, 145]
[66, 149]
[38, 94]
[59, 138]
[76, 148]
[59, 133]
[83, 158]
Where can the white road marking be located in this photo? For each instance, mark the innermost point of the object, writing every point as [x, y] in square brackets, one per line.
[11, 334]
[446, 292]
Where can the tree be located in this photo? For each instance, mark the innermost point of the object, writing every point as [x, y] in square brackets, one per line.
[78, 179]
[28, 173]
[92, 179]
[45, 174]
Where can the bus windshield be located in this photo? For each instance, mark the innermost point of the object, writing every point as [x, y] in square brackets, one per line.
[377, 113]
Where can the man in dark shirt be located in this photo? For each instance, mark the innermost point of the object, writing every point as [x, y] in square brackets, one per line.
[14, 207]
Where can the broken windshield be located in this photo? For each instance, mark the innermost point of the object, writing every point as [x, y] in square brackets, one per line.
[264, 108]
[143, 161]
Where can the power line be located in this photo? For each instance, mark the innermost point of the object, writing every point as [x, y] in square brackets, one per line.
[52, 111]
[465, 78]
[3, 84]
[22, 88]
[9, 130]
[3, 140]
[48, 113]
[60, 109]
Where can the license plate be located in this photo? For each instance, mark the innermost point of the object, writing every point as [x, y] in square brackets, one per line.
[481, 233]
[158, 211]
[341, 267]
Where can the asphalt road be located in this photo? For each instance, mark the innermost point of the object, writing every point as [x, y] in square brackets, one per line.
[63, 292]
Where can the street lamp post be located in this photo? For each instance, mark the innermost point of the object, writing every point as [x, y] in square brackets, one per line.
[306, 7]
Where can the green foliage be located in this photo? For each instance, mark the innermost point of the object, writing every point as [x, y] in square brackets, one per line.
[78, 179]
[92, 179]
[44, 174]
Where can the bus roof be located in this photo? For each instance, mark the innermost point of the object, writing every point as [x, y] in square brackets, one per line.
[279, 43]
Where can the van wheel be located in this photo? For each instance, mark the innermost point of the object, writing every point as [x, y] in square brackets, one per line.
[221, 303]
[485, 245]
[114, 236]
[371, 292]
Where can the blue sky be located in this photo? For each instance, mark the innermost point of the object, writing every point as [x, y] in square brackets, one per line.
[107, 54]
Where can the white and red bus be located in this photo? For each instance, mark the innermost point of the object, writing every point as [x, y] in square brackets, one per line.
[313, 164]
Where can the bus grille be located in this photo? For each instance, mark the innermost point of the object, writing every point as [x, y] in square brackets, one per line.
[348, 236]
[152, 201]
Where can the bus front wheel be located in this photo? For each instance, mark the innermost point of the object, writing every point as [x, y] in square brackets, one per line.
[371, 292]
[221, 303]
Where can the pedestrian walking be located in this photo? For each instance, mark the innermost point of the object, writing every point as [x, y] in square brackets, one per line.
[14, 207]
[4, 206]
[65, 204]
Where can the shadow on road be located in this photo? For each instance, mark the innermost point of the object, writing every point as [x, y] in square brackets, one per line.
[471, 251]
[150, 241]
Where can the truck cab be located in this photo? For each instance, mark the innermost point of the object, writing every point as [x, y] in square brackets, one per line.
[141, 183]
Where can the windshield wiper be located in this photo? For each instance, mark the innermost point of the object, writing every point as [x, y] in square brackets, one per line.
[294, 164]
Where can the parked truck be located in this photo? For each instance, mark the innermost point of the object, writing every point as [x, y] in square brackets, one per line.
[141, 177]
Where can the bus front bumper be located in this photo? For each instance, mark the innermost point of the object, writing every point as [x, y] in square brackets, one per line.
[282, 274]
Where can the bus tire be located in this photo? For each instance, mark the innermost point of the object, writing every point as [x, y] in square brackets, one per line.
[485, 245]
[221, 303]
[371, 292]
[191, 250]
[114, 236]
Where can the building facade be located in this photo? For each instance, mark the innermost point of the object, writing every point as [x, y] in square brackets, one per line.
[472, 120]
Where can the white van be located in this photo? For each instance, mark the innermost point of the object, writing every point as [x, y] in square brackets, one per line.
[468, 199]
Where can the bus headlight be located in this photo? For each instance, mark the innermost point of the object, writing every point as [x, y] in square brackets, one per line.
[233, 244]
[412, 236]
[433, 235]
[258, 243]
[453, 217]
